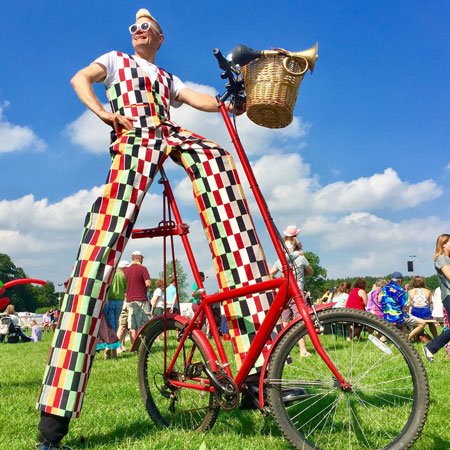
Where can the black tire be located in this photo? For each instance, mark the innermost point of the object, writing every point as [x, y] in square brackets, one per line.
[186, 408]
[387, 405]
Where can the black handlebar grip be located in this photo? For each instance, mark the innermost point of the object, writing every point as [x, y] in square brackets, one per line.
[224, 64]
[242, 55]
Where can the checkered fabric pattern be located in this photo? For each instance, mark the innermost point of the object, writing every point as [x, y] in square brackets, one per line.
[137, 156]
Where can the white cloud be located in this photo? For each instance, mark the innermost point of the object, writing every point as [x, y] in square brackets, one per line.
[89, 132]
[448, 166]
[17, 137]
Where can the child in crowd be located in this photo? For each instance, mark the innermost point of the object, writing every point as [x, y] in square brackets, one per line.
[291, 241]
[373, 301]
[420, 302]
[36, 331]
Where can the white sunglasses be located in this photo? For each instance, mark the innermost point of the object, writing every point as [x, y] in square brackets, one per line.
[144, 26]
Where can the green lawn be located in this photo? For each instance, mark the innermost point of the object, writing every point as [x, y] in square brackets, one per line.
[113, 416]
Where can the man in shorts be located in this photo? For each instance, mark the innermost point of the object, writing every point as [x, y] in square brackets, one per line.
[394, 304]
[138, 281]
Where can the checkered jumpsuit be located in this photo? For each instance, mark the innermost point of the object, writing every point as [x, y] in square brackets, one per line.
[137, 156]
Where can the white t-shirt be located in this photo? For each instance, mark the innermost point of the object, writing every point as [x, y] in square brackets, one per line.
[300, 262]
[109, 61]
[160, 302]
[340, 299]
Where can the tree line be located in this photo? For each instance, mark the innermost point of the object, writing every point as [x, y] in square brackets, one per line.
[26, 297]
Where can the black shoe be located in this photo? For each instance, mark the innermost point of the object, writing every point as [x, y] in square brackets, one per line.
[43, 444]
[250, 397]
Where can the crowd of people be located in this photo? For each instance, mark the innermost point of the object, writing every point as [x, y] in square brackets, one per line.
[410, 307]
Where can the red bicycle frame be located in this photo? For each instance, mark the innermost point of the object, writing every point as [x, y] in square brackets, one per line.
[287, 288]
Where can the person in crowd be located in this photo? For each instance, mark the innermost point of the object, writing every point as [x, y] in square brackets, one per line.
[56, 315]
[300, 267]
[442, 266]
[326, 297]
[357, 299]
[138, 282]
[420, 302]
[172, 297]
[373, 298]
[36, 331]
[340, 295]
[195, 294]
[437, 308]
[116, 296]
[107, 339]
[290, 239]
[157, 301]
[46, 322]
[123, 329]
[394, 303]
[11, 312]
[447, 327]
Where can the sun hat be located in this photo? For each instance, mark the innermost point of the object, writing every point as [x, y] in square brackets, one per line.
[396, 276]
[137, 253]
[123, 264]
[291, 230]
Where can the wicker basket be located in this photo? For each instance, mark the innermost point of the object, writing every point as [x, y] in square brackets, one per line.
[271, 90]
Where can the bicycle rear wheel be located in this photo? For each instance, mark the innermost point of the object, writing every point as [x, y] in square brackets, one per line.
[388, 401]
[166, 404]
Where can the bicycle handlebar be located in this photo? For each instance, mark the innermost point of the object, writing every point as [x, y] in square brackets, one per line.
[235, 85]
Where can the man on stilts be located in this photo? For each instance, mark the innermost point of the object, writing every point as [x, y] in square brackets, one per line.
[140, 94]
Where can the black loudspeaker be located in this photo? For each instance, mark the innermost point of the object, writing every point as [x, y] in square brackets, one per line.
[410, 266]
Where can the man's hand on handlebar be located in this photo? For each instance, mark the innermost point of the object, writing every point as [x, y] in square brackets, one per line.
[238, 108]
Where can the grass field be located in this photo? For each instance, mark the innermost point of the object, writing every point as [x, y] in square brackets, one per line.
[114, 417]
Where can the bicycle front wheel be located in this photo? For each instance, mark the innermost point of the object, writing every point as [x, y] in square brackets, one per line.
[166, 404]
[388, 401]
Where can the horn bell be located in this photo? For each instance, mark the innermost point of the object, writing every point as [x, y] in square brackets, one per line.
[310, 55]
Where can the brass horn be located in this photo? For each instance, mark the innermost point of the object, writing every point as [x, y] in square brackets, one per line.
[309, 57]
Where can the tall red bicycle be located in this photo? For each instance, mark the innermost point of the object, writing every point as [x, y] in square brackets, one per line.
[368, 392]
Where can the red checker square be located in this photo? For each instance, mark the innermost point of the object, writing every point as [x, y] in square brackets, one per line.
[66, 341]
[207, 168]
[57, 398]
[238, 259]
[248, 272]
[239, 241]
[229, 211]
[126, 62]
[226, 224]
[143, 183]
[134, 195]
[219, 181]
[218, 198]
[122, 75]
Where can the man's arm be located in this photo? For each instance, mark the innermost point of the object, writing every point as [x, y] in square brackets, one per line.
[204, 102]
[309, 270]
[82, 83]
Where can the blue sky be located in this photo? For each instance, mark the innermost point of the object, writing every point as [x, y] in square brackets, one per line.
[364, 169]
